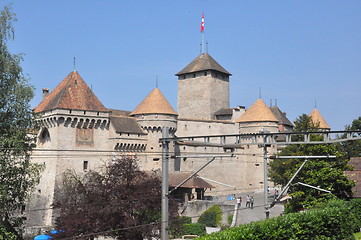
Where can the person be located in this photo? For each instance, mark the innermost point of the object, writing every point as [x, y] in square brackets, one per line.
[239, 201]
[251, 201]
[248, 201]
[276, 194]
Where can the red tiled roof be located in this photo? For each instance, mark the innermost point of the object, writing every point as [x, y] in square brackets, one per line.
[71, 93]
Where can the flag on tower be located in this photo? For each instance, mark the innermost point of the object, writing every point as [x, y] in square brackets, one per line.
[202, 24]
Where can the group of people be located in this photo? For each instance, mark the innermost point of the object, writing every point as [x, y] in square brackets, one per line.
[249, 201]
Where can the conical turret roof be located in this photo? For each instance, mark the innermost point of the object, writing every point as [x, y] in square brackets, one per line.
[71, 93]
[317, 118]
[203, 62]
[154, 103]
[258, 112]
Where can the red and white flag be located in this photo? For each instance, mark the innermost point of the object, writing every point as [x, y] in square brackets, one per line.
[202, 23]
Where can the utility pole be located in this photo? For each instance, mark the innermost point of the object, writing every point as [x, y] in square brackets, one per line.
[165, 184]
[265, 172]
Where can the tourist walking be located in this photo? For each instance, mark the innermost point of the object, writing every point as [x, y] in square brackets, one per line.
[251, 201]
[239, 201]
[248, 201]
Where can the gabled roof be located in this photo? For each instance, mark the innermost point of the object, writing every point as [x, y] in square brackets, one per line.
[258, 112]
[201, 63]
[282, 119]
[176, 178]
[317, 118]
[71, 93]
[154, 103]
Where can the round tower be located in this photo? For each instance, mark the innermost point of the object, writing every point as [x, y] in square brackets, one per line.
[258, 118]
[152, 114]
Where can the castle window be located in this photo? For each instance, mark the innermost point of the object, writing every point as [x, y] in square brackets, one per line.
[70, 111]
[85, 165]
[84, 112]
[205, 73]
[194, 75]
[155, 159]
[97, 113]
[257, 164]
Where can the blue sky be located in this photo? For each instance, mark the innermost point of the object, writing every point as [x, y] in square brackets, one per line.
[295, 51]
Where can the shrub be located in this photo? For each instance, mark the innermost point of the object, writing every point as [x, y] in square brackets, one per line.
[194, 229]
[212, 217]
[5, 235]
[230, 219]
[177, 227]
[335, 220]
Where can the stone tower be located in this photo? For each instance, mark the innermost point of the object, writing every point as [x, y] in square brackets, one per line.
[73, 134]
[203, 88]
[152, 114]
[258, 118]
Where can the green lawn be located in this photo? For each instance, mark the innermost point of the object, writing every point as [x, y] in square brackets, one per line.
[357, 235]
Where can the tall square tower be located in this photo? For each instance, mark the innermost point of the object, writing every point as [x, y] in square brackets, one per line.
[203, 88]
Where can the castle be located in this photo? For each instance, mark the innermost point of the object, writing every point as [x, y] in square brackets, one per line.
[78, 132]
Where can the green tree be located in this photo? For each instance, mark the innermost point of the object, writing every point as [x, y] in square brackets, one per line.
[352, 148]
[17, 174]
[324, 173]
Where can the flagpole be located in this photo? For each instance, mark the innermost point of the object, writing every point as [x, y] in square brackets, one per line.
[203, 42]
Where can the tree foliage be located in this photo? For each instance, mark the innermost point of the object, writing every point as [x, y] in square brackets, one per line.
[212, 217]
[17, 174]
[121, 201]
[324, 173]
[352, 148]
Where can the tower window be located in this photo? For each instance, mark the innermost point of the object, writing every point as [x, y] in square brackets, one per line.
[85, 165]
[205, 73]
[194, 75]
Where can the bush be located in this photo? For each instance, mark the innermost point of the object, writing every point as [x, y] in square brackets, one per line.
[230, 219]
[194, 229]
[5, 235]
[212, 217]
[176, 227]
[335, 220]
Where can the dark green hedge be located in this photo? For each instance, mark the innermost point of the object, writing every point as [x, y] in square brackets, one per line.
[336, 220]
[212, 217]
[194, 229]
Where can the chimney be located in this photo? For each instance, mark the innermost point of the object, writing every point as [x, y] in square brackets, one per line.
[45, 93]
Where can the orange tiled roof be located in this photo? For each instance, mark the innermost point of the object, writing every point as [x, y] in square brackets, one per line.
[317, 118]
[258, 112]
[154, 103]
[71, 93]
